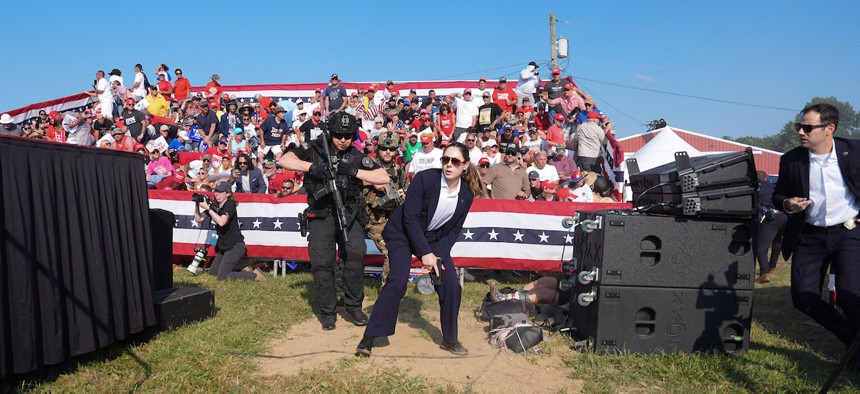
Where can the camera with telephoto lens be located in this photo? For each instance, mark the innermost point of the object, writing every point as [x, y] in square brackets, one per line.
[199, 255]
[198, 198]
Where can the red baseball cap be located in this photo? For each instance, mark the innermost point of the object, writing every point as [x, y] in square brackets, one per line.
[577, 176]
[129, 101]
[558, 117]
[562, 193]
[594, 115]
[556, 71]
[426, 138]
[467, 91]
[371, 88]
[484, 160]
[548, 185]
[482, 79]
[568, 86]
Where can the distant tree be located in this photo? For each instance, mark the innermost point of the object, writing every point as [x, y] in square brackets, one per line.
[786, 139]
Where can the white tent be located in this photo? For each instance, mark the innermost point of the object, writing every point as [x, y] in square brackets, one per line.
[660, 150]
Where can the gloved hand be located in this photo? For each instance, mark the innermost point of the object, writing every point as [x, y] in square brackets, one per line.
[346, 168]
[317, 171]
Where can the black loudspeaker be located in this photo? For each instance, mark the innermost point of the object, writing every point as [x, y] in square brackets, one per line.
[622, 248]
[161, 232]
[723, 185]
[177, 306]
[645, 320]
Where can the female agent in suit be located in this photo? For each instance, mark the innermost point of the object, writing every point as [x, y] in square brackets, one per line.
[427, 226]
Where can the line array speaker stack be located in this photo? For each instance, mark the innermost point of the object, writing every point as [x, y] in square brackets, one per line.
[680, 280]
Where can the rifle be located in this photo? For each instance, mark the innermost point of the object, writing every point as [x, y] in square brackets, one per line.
[331, 186]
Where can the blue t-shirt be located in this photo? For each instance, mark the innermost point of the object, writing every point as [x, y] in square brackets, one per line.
[336, 96]
[175, 144]
[273, 132]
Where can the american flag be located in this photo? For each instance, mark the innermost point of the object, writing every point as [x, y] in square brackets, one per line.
[514, 235]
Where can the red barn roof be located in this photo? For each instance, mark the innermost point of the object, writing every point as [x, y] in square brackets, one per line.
[765, 159]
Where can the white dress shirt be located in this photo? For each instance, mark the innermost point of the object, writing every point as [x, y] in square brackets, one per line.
[832, 200]
[446, 207]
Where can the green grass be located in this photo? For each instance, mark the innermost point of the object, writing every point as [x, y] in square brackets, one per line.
[217, 355]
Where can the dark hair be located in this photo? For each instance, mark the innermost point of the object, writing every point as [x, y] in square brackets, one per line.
[139, 66]
[101, 71]
[829, 114]
[178, 70]
[470, 175]
[762, 176]
[164, 67]
[242, 156]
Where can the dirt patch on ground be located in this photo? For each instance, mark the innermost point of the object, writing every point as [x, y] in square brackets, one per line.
[415, 348]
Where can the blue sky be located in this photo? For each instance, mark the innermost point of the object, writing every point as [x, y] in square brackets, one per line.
[768, 53]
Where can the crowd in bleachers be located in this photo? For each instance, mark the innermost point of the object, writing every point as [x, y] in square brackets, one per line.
[540, 140]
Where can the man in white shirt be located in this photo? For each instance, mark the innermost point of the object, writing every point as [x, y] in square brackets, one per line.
[482, 87]
[138, 89]
[101, 90]
[527, 84]
[467, 112]
[546, 171]
[426, 158]
[819, 188]
[475, 153]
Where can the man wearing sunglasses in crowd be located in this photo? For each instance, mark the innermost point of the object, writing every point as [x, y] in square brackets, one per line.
[324, 232]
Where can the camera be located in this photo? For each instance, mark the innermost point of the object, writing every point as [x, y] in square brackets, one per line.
[198, 198]
[199, 255]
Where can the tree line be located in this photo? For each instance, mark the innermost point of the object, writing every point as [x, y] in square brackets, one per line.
[786, 139]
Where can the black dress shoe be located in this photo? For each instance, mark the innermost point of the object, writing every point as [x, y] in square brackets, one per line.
[455, 348]
[327, 323]
[364, 347]
[358, 317]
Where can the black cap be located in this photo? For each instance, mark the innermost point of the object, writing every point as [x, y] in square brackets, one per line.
[334, 76]
[223, 187]
[533, 64]
[502, 79]
[533, 175]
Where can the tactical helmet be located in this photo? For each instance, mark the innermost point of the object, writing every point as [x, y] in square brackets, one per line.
[342, 123]
[389, 139]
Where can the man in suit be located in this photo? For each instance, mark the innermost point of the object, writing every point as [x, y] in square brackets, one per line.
[250, 178]
[819, 188]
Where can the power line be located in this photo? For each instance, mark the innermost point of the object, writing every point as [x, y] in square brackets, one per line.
[688, 95]
[477, 72]
[610, 105]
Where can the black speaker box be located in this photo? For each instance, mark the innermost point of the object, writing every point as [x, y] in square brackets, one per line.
[646, 320]
[161, 224]
[730, 202]
[635, 249]
[177, 306]
[691, 174]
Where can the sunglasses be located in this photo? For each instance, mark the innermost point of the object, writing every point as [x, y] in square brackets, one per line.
[485, 166]
[807, 128]
[470, 140]
[205, 160]
[243, 162]
[453, 160]
[381, 149]
[342, 136]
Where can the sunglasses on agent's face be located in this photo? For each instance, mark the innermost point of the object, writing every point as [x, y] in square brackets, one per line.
[453, 160]
[386, 149]
[807, 128]
[242, 163]
[485, 166]
[342, 136]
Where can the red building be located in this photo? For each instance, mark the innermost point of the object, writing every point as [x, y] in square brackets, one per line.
[765, 159]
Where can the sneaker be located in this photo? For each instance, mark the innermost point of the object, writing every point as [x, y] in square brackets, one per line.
[327, 323]
[259, 276]
[365, 347]
[763, 278]
[359, 318]
[456, 348]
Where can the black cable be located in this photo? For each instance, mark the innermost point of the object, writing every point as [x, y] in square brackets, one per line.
[610, 105]
[636, 203]
[688, 95]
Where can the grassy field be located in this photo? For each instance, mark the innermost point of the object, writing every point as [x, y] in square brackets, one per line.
[788, 354]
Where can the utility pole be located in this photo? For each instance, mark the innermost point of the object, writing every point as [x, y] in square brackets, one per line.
[553, 51]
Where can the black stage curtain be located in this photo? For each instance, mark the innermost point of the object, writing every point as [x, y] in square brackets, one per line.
[75, 251]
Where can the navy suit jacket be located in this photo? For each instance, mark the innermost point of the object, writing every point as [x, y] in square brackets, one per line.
[407, 226]
[256, 182]
[794, 182]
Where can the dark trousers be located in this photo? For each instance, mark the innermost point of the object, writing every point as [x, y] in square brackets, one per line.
[324, 239]
[384, 315]
[226, 264]
[770, 237]
[588, 164]
[815, 247]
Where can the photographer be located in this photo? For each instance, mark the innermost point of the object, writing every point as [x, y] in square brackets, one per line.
[231, 244]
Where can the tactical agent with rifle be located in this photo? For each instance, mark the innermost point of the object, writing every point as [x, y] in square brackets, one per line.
[334, 220]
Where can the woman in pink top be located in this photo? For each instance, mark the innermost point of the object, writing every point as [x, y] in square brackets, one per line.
[159, 167]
